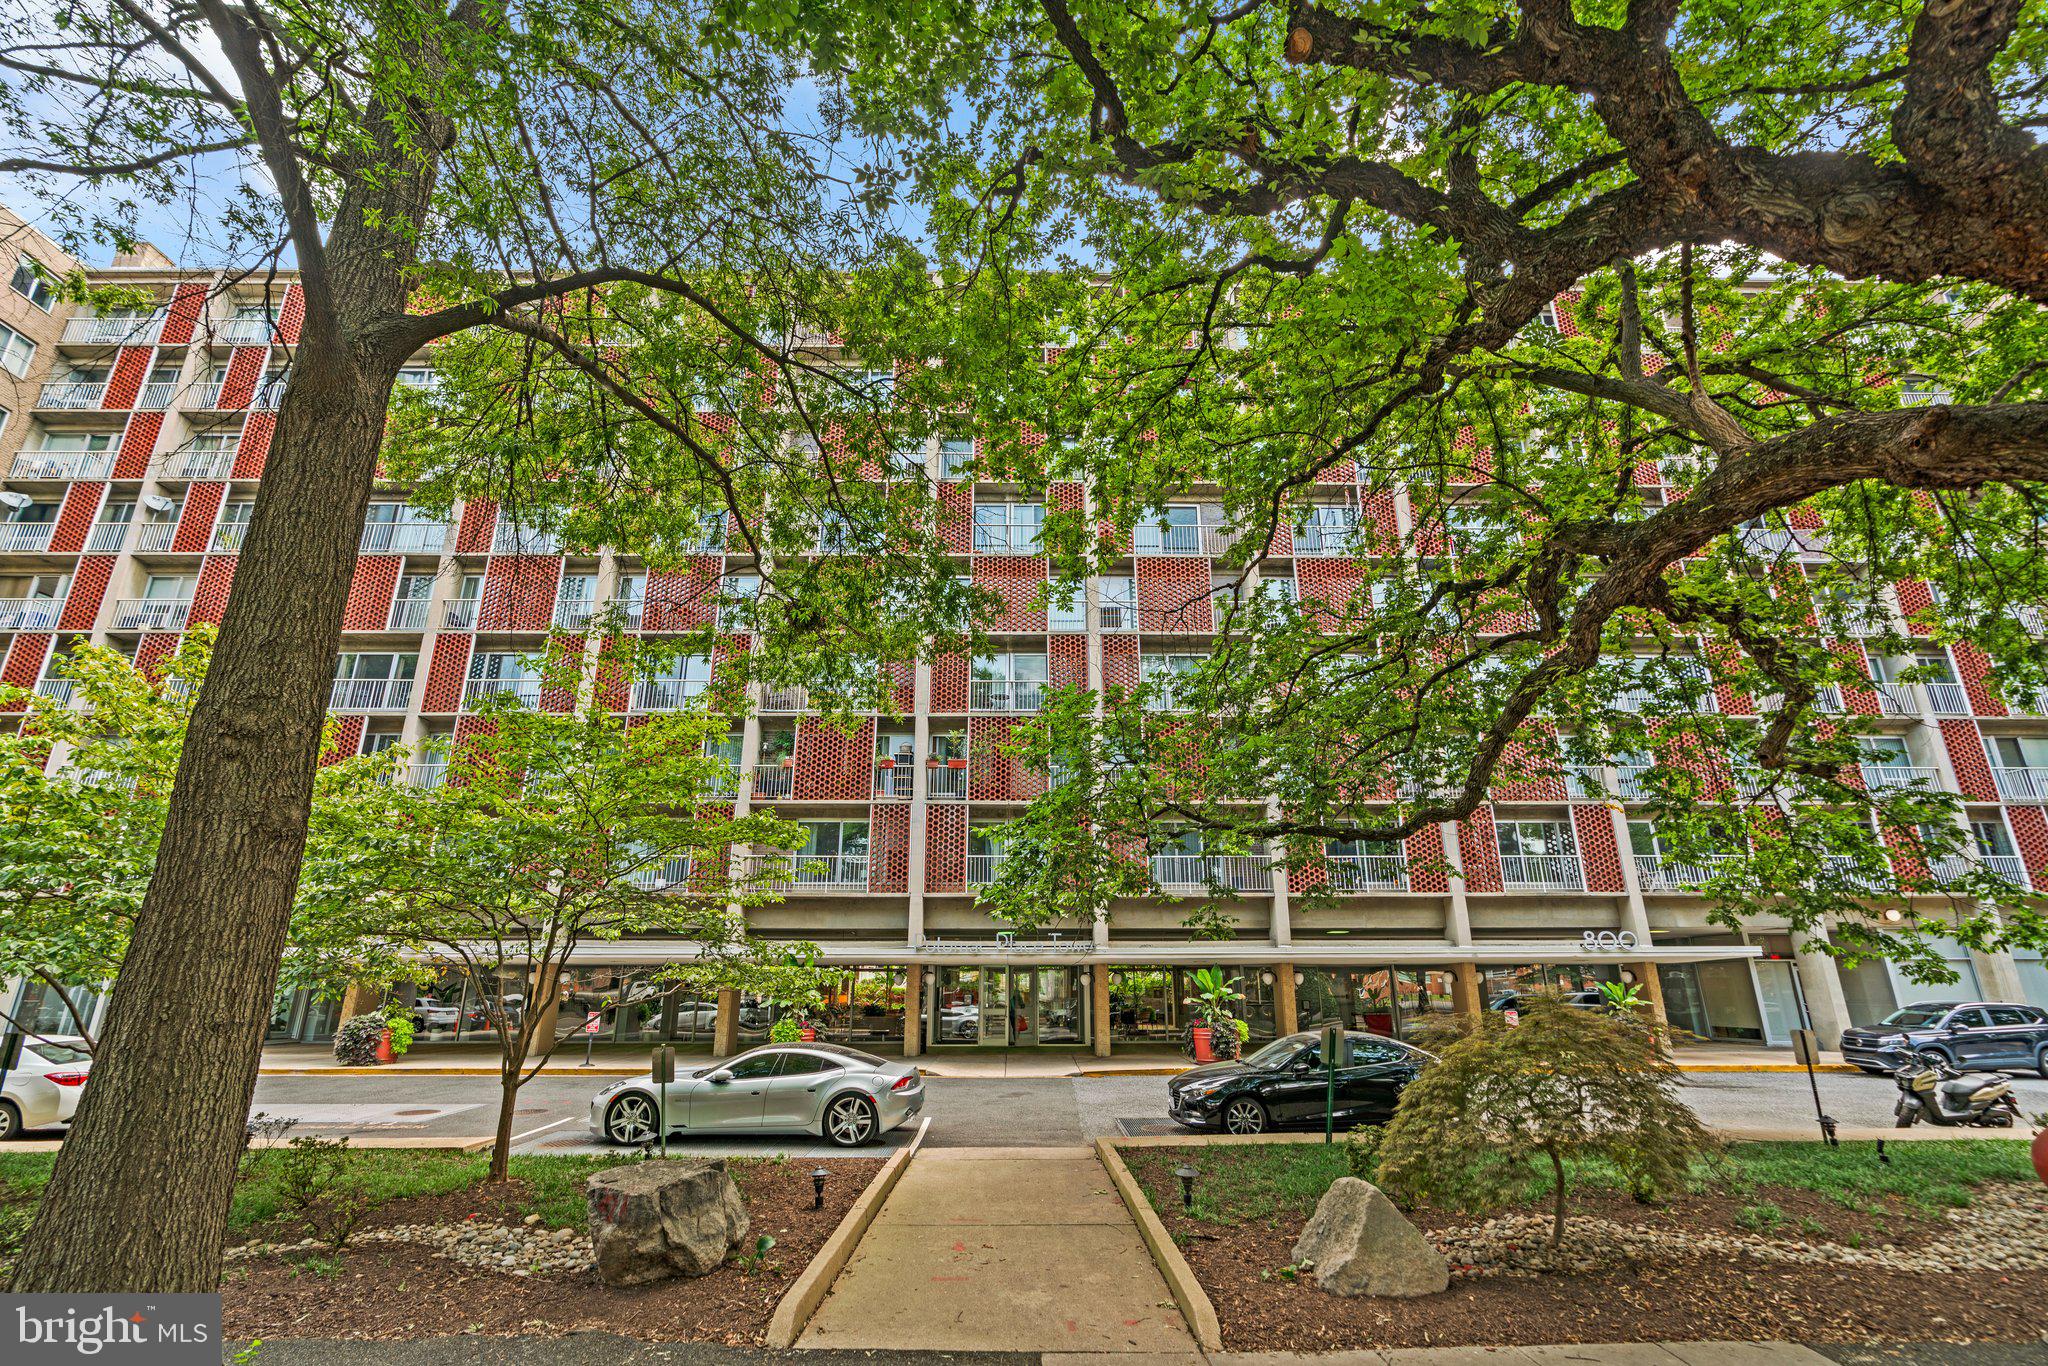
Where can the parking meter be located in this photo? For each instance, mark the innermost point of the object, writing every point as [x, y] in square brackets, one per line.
[1333, 1040]
[664, 1069]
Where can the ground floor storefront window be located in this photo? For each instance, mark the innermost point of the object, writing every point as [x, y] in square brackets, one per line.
[1392, 1001]
[1024, 1006]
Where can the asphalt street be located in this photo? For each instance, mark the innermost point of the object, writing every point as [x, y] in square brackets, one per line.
[964, 1112]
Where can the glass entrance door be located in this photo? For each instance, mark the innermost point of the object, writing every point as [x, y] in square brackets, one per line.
[1056, 1004]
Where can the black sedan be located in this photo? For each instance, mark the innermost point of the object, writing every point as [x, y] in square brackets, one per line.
[1284, 1085]
[1972, 1035]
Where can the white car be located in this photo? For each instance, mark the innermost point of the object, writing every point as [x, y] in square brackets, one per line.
[42, 1091]
[843, 1095]
[428, 1013]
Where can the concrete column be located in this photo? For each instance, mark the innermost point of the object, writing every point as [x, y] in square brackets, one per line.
[725, 1033]
[914, 853]
[1098, 1007]
[1998, 976]
[1286, 1010]
[1653, 993]
[913, 1011]
[360, 999]
[1457, 914]
[1281, 923]
[1634, 916]
[1465, 989]
[1820, 983]
[544, 1002]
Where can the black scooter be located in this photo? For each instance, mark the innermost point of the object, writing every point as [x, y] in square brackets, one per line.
[1932, 1090]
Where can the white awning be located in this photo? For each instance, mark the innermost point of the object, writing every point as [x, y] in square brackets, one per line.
[1185, 953]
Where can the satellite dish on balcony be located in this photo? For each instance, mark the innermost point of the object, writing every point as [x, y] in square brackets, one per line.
[157, 503]
[15, 500]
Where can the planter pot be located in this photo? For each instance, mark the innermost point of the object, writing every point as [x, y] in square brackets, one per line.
[956, 763]
[810, 1034]
[935, 763]
[2040, 1152]
[888, 763]
[1203, 1051]
[384, 1053]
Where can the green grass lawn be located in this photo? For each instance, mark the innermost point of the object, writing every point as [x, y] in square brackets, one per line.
[1242, 1183]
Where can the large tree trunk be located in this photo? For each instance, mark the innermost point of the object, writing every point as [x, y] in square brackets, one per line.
[139, 1198]
[509, 1083]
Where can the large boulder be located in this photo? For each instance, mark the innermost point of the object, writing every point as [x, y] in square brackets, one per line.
[650, 1221]
[1360, 1244]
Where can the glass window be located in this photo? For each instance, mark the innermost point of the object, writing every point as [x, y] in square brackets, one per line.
[17, 353]
[754, 1065]
[804, 1065]
[31, 282]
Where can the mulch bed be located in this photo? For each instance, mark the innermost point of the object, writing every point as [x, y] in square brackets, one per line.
[1681, 1299]
[396, 1290]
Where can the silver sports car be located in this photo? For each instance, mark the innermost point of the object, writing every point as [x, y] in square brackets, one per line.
[842, 1094]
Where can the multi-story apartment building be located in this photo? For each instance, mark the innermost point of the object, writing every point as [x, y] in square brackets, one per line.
[131, 452]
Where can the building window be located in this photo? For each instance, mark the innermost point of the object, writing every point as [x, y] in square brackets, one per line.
[17, 353]
[1008, 528]
[956, 456]
[32, 282]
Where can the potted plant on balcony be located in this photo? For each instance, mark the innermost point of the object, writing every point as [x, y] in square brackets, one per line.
[1216, 1031]
[957, 762]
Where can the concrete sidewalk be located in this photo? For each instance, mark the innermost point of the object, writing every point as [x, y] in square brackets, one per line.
[1004, 1249]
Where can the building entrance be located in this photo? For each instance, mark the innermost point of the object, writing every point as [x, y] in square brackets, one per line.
[1024, 1006]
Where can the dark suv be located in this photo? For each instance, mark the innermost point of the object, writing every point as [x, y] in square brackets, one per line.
[1972, 1035]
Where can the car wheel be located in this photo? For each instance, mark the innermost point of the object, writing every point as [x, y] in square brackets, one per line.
[629, 1120]
[1244, 1115]
[1933, 1057]
[850, 1122]
[10, 1120]
[2041, 1063]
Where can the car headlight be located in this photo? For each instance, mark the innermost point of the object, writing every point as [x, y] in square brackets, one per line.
[1203, 1090]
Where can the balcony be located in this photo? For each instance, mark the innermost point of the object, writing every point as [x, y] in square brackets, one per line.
[156, 537]
[370, 694]
[575, 614]
[189, 463]
[1541, 873]
[1844, 867]
[1368, 872]
[1957, 868]
[1199, 872]
[26, 537]
[1948, 699]
[1181, 540]
[207, 397]
[981, 869]
[70, 396]
[525, 691]
[524, 540]
[895, 782]
[1657, 873]
[30, 614]
[106, 538]
[1881, 776]
[62, 465]
[946, 783]
[666, 694]
[785, 700]
[1006, 540]
[773, 783]
[659, 877]
[2028, 785]
[403, 538]
[408, 614]
[58, 690]
[157, 395]
[994, 694]
[228, 537]
[1753, 783]
[269, 396]
[1117, 618]
[241, 331]
[1895, 699]
[1630, 784]
[458, 614]
[1325, 539]
[810, 872]
[421, 775]
[151, 614]
[112, 331]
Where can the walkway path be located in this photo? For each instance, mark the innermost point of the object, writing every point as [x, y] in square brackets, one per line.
[1002, 1249]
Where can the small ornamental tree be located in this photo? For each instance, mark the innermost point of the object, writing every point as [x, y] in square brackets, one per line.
[1503, 1101]
[552, 831]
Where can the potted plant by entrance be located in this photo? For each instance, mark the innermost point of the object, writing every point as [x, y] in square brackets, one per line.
[1216, 1032]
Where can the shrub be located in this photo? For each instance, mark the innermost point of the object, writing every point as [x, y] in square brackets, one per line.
[399, 1021]
[786, 1030]
[321, 1189]
[1561, 1084]
[1362, 1152]
[355, 1043]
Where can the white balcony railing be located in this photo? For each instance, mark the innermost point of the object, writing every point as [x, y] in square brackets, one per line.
[1955, 868]
[773, 783]
[895, 782]
[241, 331]
[525, 691]
[151, 614]
[659, 877]
[1948, 699]
[1630, 784]
[422, 774]
[112, 331]
[409, 614]
[1895, 699]
[1657, 873]
[1239, 872]
[1896, 775]
[946, 783]
[269, 395]
[157, 395]
[57, 690]
[1006, 540]
[459, 614]
[228, 537]
[62, 394]
[574, 614]
[1117, 618]
[1845, 868]
[524, 540]
[1541, 873]
[786, 700]
[370, 694]
[666, 694]
[404, 537]
[1368, 872]
[106, 538]
[156, 537]
[2022, 784]
[62, 465]
[1751, 782]
[1325, 539]
[995, 694]
[810, 872]
[207, 396]
[29, 537]
[981, 869]
[30, 614]
[217, 463]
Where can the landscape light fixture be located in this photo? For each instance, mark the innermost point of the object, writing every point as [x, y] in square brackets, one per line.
[1187, 1177]
[818, 1176]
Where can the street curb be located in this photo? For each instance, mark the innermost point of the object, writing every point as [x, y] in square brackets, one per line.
[1839, 1067]
[812, 1284]
[1187, 1292]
